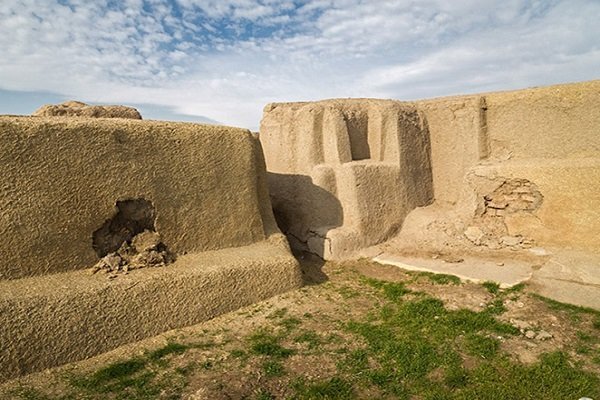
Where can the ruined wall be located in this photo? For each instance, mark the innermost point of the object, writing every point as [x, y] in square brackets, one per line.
[343, 174]
[62, 179]
[507, 170]
[512, 170]
[74, 190]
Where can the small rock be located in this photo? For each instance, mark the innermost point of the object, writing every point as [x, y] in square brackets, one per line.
[543, 335]
[474, 234]
[520, 304]
[530, 334]
[145, 241]
[500, 264]
[511, 240]
[453, 259]
[112, 261]
[522, 325]
[538, 251]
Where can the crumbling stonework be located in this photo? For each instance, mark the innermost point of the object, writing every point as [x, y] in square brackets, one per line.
[79, 109]
[508, 170]
[120, 196]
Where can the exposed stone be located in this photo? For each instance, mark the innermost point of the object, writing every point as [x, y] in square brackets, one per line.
[474, 234]
[521, 325]
[511, 240]
[79, 109]
[529, 334]
[145, 241]
[112, 261]
[543, 335]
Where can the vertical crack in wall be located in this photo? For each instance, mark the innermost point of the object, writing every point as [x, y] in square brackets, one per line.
[483, 138]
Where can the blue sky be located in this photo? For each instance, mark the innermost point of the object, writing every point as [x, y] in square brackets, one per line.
[223, 60]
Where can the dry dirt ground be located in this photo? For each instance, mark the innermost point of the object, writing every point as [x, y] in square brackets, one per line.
[356, 330]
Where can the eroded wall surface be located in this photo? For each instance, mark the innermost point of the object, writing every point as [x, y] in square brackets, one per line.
[62, 179]
[514, 170]
[343, 174]
[482, 172]
[73, 189]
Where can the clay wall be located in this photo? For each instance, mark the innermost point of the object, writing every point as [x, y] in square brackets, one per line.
[71, 187]
[343, 174]
[467, 148]
[63, 178]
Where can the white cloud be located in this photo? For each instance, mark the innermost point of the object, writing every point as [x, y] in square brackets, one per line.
[225, 59]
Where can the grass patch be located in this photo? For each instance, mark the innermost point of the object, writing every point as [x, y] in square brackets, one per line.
[311, 338]
[492, 287]
[171, 348]
[264, 394]
[519, 287]
[290, 323]
[267, 344]
[439, 279]
[481, 346]
[393, 291]
[331, 389]
[273, 368]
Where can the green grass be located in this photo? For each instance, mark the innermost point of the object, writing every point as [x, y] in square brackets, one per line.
[436, 279]
[264, 394]
[335, 388]
[492, 287]
[392, 291]
[171, 348]
[481, 346]
[290, 323]
[311, 338]
[409, 345]
[273, 368]
[266, 344]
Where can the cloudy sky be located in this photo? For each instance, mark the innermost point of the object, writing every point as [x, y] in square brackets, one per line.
[223, 60]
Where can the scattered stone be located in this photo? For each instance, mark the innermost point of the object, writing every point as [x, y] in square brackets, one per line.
[511, 241]
[113, 261]
[529, 334]
[145, 241]
[521, 325]
[543, 335]
[144, 250]
[453, 259]
[474, 234]
[500, 264]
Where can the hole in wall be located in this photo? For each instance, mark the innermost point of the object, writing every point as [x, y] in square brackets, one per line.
[133, 216]
[128, 240]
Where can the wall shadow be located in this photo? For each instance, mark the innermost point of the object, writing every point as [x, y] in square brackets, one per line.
[305, 212]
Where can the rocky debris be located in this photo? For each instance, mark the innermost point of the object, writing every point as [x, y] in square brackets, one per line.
[145, 241]
[530, 334]
[543, 335]
[513, 198]
[145, 250]
[511, 241]
[474, 234]
[79, 109]
[521, 325]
